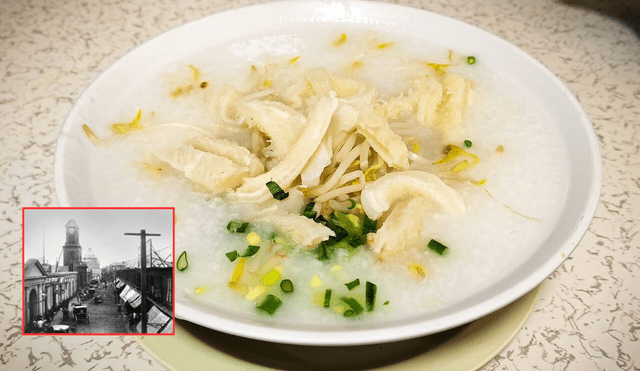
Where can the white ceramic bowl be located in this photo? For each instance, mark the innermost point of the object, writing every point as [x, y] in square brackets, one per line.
[153, 57]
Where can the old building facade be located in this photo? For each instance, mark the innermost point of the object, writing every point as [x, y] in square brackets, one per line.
[45, 292]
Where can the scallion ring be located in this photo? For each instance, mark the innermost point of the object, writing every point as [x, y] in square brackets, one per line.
[353, 204]
[182, 262]
[286, 285]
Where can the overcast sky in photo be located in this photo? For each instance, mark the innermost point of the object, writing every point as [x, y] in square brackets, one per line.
[102, 230]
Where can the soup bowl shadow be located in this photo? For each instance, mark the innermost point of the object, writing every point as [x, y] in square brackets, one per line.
[466, 347]
[305, 357]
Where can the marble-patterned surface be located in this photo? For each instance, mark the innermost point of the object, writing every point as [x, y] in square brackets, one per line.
[588, 316]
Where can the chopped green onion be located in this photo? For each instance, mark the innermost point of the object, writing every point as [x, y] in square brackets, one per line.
[355, 240]
[368, 225]
[348, 313]
[324, 250]
[370, 295]
[232, 255]
[251, 250]
[308, 211]
[353, 284]
[471, 59]
[237, 226]
[348, 222]
[353, 204]
[322, 220]
[276, 191]
[353, 304]
[327, 298]
[182, 262]
[437, 247]
[386, 302]
[467, 143]
[270, 304]
[286, 285]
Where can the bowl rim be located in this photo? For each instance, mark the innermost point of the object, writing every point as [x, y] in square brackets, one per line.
[363, 12]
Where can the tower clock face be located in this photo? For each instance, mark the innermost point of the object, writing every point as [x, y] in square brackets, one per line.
[71, 230]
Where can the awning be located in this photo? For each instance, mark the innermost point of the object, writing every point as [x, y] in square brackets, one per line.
[168, 329]
[135, 302]
[156, 321]
[123, 293]
[130, 295]
[133, 298]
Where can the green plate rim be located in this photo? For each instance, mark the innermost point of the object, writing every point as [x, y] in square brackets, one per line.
[479, 341]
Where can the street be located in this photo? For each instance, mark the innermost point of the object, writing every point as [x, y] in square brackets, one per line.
[104, 317]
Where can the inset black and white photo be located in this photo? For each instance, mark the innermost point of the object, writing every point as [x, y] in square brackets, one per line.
[98, 271]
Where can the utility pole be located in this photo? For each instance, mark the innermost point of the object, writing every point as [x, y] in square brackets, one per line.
[143, 274]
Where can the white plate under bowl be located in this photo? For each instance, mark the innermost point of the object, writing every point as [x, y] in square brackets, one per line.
[576, 133]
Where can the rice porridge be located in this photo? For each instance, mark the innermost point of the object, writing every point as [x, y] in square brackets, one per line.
[450, 174]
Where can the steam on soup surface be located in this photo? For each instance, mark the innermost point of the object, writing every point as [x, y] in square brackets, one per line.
[342, 175]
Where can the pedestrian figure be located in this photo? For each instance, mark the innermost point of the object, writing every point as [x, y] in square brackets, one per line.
[132, 322]
[39, 323]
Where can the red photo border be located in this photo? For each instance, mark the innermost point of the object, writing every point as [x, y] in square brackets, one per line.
[173, 271]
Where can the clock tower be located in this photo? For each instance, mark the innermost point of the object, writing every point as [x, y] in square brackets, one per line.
[72, 251]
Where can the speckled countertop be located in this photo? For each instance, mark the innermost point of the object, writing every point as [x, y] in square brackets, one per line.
[588, 314]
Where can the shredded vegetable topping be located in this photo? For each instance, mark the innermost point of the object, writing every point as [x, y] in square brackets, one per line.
[453, 152]
[352, 170]
[133, 125]
[237, 272]
[417, 270]
[341, 40]
[90, 134]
